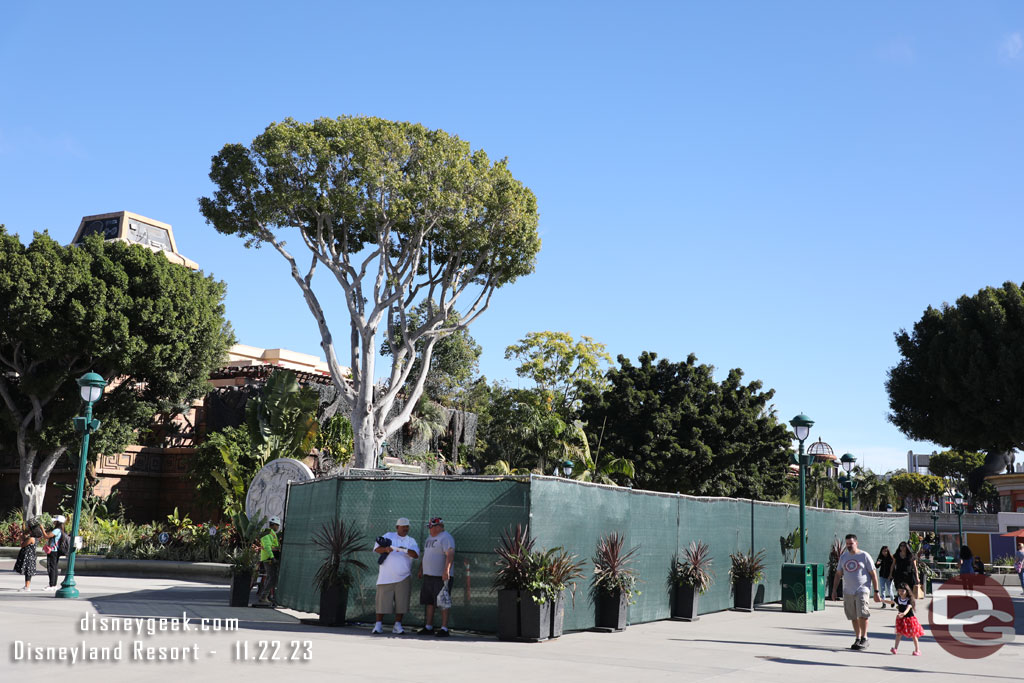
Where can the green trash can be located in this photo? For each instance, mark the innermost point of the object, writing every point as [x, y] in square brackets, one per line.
[820, 589]
[797, 588]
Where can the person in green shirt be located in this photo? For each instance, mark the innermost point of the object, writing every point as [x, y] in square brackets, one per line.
[269, 549]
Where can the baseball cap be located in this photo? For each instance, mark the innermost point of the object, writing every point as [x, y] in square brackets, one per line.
[402, 521]
[436, 521]
[274, 520]
[60, 518]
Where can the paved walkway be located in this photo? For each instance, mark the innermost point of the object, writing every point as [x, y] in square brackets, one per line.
[768, 645]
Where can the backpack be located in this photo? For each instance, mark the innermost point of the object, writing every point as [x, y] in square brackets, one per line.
[64, 545]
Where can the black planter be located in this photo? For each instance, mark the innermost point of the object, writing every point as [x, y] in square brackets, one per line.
[558, 615]
[241, 584]
[743, 595]
[333, 604]
[534, 619]
[685, 605]
[611, 610]
[508, 615]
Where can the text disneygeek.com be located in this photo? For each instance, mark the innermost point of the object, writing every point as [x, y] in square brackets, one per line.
[137, 650]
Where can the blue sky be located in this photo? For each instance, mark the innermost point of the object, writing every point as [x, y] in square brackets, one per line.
[772, 186]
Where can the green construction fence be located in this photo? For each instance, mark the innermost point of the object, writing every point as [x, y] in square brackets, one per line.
[560, 512]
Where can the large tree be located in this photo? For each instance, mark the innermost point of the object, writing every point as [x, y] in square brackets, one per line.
[686, 432]
[562, 368]
[398, 215]
[155, 328]
[959, 380]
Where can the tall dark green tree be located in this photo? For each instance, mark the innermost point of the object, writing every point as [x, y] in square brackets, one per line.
[397, 214]
[685, 432]
[154, 328]
[959, 380]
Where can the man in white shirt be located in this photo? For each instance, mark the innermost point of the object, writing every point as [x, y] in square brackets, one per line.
[857, 570]
[394, 578]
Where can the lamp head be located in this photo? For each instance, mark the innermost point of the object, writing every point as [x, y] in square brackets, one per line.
[802, 426]
[567, 467]
[848, 461]
[958, 498]
[91, 386]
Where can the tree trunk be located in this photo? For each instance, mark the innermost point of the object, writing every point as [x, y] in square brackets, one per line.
[365, 444]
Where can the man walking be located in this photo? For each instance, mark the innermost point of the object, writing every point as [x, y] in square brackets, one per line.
[436, 572]
[394, 578]
[857, 569]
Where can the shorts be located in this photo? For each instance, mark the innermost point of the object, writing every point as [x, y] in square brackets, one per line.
[394, 596]
[856, 606]
[430, 587]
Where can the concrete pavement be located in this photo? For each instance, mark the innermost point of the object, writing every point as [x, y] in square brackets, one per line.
[768, 645]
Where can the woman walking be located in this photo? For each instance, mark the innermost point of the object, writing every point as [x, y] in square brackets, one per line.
[906, 622]
[53, 548]
[884, 566]
[26, 562]
[904, 566]
[967, 567]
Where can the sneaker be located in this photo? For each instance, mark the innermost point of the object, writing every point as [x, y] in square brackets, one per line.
[397, 629]
[863, 643]
[892, 650]
[24, 589]
[425, 631]
[856, 645]
[917, 653]
[442, 633]
[377, 629]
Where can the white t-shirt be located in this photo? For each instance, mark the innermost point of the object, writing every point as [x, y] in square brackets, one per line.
[856, 568]
[397, 565]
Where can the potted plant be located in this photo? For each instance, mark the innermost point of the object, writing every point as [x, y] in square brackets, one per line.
[833, 565]
[515, 573]
[336, 574]
[562, 571]
[746, 572]
[244, 559]
[614, 582]
[243, 563]
[691, 578]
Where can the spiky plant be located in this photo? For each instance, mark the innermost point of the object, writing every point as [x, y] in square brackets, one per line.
[694, 568]
[341, 543]
[515, 559]
[747, 567]
[613, 569]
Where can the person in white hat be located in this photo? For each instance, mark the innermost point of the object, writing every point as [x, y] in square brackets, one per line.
[53, 548]
[270, 548]
[394, 578]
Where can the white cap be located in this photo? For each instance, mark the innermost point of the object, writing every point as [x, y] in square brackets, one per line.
[402, 521]
[60, 518]
[275, 520]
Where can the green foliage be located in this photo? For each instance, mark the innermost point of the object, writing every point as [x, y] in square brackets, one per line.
[873, 491]
[915, 490]
[335, 438]
[686, 432]
[340, 542]
[398, 214]
[428, 420]
[563, 368]
[282, 419]
[694, 567]
[955, 466]
[120, 310]
[613, 567]
[958, 382]
[819, 485]
[790, 544]
[587, 467]
[747, 567]
[222, 468]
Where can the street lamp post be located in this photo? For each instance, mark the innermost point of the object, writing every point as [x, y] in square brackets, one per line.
[91, 386]
[849, 484]
[802, 429]
[959, 509]
[567, 468]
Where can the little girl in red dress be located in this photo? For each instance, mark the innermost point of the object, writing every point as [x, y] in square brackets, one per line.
[906, 623]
